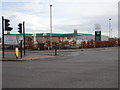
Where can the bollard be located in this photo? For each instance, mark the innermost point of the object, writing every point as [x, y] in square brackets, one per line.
[16, 52]
[55, 50]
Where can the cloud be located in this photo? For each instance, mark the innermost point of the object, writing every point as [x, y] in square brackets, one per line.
[87, 1]
[33, 22]
[21, 0]
[67, 15]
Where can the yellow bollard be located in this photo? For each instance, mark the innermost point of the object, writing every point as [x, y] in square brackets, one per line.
[16, 52]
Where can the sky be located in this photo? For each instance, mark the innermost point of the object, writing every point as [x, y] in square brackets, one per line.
[67, 15]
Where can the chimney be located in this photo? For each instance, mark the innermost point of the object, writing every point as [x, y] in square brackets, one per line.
[75, 30]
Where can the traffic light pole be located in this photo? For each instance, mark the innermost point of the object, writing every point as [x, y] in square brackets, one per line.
[24, 36]
[21, 49]
[20, 31]
[3, 55]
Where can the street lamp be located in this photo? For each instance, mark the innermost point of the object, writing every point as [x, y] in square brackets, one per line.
[109, 27]
[51, 26]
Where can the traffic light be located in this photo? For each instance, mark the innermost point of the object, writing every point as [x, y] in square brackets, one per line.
[97, 35]
[20, 28]
[7, 28]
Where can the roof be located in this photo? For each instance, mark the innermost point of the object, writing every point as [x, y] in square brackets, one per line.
[48, 34]
[76, 34]
[61, 35]
[55, 34]
[19, 34]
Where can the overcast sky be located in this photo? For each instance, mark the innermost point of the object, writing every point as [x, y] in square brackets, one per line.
[67, 15]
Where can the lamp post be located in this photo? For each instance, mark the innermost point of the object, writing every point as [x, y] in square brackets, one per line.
[109, 27]
[50, 26]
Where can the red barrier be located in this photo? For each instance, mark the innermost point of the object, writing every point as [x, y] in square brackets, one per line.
[105, 43]
[83, 44]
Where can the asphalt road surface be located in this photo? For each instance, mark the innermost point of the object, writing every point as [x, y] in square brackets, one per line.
[89, 68]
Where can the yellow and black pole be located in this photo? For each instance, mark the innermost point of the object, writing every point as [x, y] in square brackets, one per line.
[16, 52]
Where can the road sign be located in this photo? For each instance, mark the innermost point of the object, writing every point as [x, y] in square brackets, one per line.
[13, 39]
[97, 26]
[10, 40]
[97, 35]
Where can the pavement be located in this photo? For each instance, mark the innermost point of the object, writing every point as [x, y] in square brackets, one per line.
[10, 56]
[33, 54]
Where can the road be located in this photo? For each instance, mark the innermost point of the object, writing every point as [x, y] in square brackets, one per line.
[88, 68]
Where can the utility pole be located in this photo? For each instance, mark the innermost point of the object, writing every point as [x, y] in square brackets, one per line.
[50, 26]
[110, 27]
